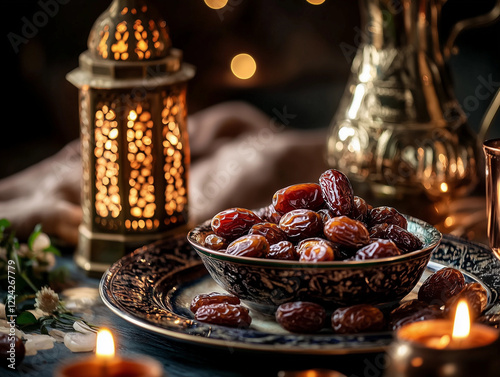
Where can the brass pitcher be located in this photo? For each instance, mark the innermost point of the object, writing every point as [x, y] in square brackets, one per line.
[399, 127]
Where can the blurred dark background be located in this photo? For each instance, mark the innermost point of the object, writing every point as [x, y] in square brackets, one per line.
[297, 46]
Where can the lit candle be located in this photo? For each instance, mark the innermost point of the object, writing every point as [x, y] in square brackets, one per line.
[106, 364]
[437, 348]
[445, 334]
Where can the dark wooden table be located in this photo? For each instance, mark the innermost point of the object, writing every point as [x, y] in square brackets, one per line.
[184, 359]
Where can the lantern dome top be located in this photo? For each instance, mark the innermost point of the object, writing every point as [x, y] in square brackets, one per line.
[129, 30]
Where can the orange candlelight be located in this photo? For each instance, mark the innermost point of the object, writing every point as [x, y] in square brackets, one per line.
[445, 334]
[106, 364]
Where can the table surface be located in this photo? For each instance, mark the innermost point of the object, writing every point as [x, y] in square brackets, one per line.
[187, 359]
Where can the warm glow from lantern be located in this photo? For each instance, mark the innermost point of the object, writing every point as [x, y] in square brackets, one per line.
[105, 345]
[461, 326]
[216, 4]
[132, 115]
[243, 66]
[444, 187]
[315, 2]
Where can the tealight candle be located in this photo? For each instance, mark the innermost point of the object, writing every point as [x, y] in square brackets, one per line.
[106, 364]
[444, 334]
[445, 348]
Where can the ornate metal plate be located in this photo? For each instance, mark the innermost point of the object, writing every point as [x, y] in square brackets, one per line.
[152, 288]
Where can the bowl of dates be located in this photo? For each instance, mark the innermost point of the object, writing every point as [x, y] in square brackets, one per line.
[315, 242]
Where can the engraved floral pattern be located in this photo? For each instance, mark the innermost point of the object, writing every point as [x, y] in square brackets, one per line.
[135, 288]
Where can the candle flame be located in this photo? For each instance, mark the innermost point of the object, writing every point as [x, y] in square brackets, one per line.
[461, 326]
[105, 345]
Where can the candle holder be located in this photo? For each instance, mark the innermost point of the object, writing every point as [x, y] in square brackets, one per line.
[106, 364]
[134, 142]
[414, 354]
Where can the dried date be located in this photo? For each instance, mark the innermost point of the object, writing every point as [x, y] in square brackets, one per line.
[270, 231]
[413, 311]
[11, 345]
[313, 241]
[224, 314]
[346, 232]
[337, 192]
[316, 243]
[211, 298]
[360, 209]
[270, 215]
[215, 242]
[301, 223]
[475, 296]
[234, 222]
[299, 196]
[403, 239]
[357, 319]
[283, 250]
[325, 214]
[253, 245]
[377, 249]
[388, 215]
[301, 316]
[441, 286]
[319, 252]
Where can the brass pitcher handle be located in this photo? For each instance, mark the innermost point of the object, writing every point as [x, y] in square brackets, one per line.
[460, 26]
[488, 117]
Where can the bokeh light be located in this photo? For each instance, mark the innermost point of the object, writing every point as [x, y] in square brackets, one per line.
[216, 4]
[243, 66]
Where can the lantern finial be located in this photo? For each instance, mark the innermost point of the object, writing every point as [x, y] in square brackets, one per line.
[129, 30]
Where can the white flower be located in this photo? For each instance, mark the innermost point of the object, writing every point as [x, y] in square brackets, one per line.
[46, 300]
[41, 242]
[78, 342]
[44, 262]
[24, 251]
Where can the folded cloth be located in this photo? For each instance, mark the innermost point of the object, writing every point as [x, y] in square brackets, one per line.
[239, 157]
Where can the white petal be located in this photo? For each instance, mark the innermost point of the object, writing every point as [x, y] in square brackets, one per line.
[58, 335]
[81, 327]
[30, 349]
[41, 242]
[40, 342]
[38, 313]
[78, 342]
[81, 298]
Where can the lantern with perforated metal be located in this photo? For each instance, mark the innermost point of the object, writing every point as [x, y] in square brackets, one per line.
[134, 142]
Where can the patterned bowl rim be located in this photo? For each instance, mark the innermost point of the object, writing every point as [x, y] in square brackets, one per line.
[431, 232]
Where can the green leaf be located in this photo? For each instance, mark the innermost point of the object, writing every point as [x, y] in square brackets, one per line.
[4, 224]
[36, 232]
[26, 319]
[53, 250]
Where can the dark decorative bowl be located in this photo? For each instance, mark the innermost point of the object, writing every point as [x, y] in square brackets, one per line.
[264, 284]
